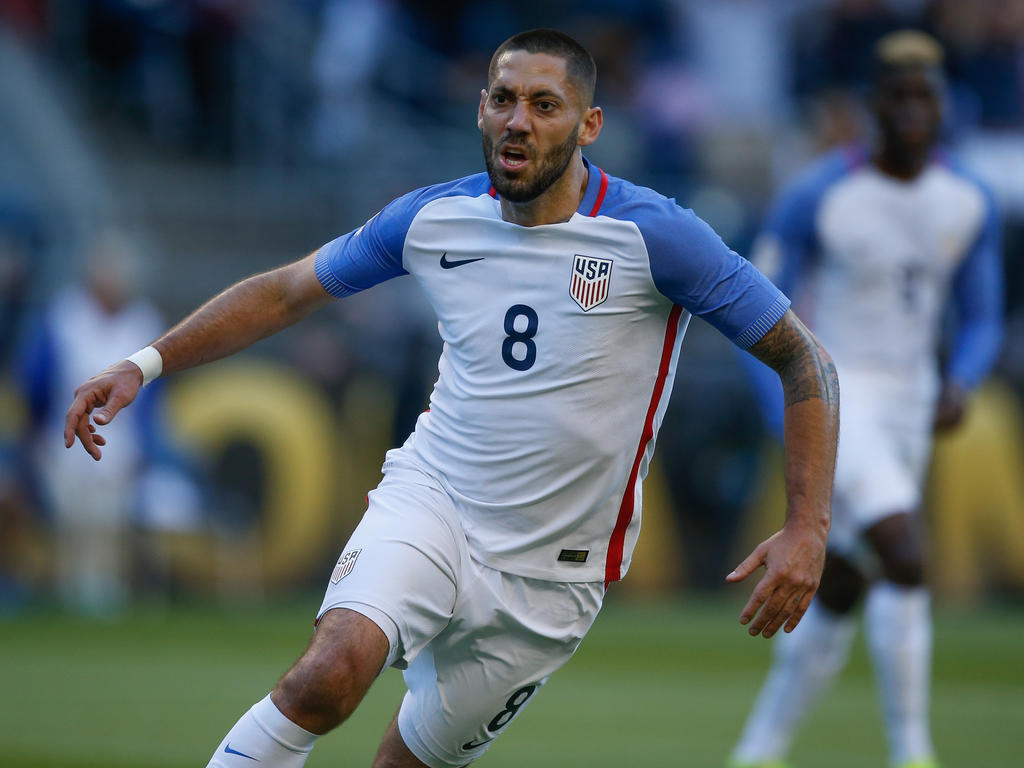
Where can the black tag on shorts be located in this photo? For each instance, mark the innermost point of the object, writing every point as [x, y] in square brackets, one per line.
[573, 555]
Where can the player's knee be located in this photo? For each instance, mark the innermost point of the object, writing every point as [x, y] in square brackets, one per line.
[900, 546]
[842, 585]
[840, 598]
[319, 692]
[330, 679]
[904, 566]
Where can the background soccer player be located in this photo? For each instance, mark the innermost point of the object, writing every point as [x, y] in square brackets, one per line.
[878, 243]
[562, 296]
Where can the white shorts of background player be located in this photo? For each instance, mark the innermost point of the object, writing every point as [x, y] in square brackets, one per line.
[885, 442]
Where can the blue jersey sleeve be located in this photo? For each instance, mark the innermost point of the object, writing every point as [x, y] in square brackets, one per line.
[978, 300]
[36, 368]
[693, 267]
[373, 253]
[368, 255]
[785, 249]
[788, 241]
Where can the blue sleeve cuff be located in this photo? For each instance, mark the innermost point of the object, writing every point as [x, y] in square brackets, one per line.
[757, 329]
[327, 279]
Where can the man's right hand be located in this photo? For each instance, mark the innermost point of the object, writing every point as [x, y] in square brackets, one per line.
[99, 399]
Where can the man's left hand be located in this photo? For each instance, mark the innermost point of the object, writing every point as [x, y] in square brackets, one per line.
[794, 558]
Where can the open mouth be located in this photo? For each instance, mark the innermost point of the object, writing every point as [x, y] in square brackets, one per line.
[513, 159]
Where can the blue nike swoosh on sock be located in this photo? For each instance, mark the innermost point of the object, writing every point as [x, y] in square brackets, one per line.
[230, 751]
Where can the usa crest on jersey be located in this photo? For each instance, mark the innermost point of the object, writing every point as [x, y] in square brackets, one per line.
[345, 565]
[589, 282]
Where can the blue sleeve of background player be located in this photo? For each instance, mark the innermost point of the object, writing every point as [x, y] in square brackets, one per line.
[782, 251]
[978, 300]
[785, 250]
[788, 239]
[35, 368]
[693, 267]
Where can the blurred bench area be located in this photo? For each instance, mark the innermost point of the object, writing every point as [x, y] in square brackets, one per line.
[154, 151]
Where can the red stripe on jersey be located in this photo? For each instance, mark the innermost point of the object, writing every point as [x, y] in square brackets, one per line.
[613, 563]
[600, 194]
[492, 192]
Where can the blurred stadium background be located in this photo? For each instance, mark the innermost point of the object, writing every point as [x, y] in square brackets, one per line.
[179, 145]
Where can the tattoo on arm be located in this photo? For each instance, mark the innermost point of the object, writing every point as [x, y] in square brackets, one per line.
[802, 363]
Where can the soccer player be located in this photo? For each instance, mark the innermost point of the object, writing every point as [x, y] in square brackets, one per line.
[562, 295]
[878, 241]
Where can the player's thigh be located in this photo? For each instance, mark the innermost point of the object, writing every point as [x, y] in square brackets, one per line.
[400, 567]
[507, 637]
[873, 476]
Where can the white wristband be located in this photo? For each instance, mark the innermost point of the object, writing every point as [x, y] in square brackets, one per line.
[149, 362]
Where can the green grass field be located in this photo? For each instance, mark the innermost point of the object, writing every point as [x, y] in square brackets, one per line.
[656, 684]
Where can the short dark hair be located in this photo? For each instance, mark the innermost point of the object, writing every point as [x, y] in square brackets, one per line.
[579, 64]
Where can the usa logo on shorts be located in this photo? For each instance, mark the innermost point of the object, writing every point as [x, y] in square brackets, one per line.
[345, 565]
[588, 285]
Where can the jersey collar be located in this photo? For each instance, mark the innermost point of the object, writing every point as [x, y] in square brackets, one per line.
[597, 186]
[593, 198]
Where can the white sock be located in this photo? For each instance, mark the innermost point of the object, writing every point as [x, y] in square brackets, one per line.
[263, 735]
[805, 662]
[899, 634]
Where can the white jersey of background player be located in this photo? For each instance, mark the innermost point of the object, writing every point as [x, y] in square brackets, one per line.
[876, 247]
[875, 262]
[562, 296]
[877, 257]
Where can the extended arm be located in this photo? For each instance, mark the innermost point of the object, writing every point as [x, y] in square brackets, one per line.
[231, 321]
[785, 251]
[795, 555]
[978, 298]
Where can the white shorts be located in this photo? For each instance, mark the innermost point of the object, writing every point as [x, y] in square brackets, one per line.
[475, 643]
[885, 440]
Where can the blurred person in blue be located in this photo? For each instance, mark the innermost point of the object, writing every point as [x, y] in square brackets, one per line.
[84, 326]
[20, 242]
[562, 295]
[876, 243]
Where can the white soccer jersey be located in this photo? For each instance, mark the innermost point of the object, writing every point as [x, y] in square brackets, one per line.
[872, 261]
[560, 346]
[881, 256]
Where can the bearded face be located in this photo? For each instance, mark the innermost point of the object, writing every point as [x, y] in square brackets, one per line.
[530, 120]
[519, 170]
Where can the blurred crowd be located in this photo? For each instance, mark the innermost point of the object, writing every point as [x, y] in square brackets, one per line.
[715, 103]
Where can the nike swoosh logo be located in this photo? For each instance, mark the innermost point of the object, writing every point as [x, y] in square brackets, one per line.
[446, 264]
[230, 751]
[475, 744]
